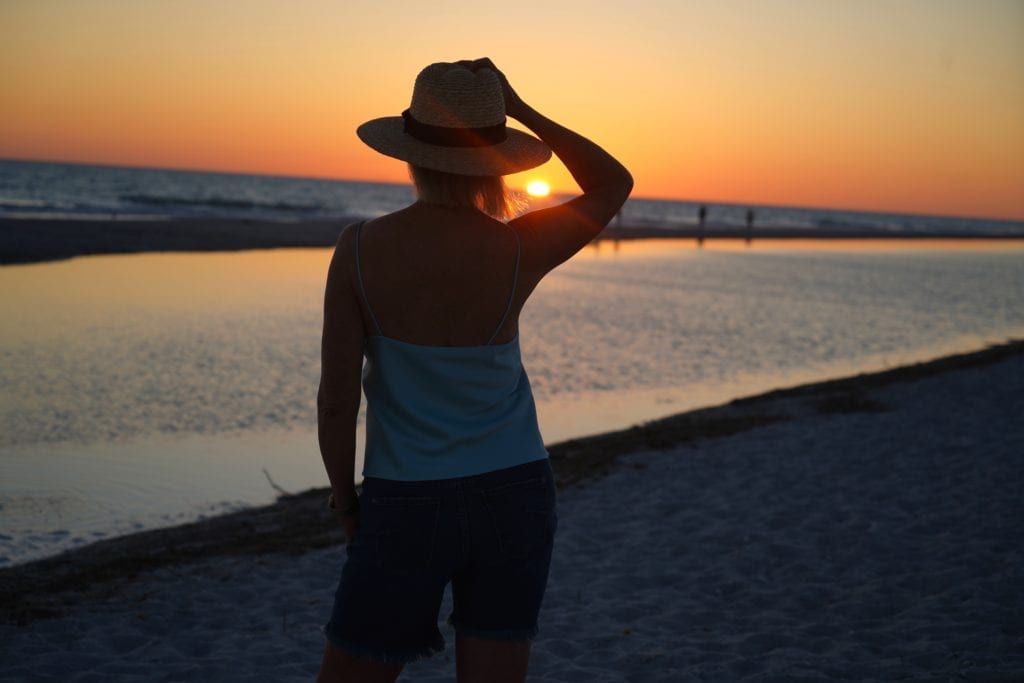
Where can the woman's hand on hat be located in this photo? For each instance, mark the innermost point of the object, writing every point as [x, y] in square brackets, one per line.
[514, 104]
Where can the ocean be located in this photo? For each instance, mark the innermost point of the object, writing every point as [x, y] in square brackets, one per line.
[145, 390]
[74, 191]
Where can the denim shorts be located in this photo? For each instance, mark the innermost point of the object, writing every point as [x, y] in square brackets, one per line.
[489, 535]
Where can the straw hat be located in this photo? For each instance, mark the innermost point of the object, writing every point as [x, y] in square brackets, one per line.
[456, 124]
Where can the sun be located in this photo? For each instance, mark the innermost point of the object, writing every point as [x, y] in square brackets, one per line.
[538, 188]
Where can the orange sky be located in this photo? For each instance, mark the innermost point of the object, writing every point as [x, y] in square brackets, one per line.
[914, 106]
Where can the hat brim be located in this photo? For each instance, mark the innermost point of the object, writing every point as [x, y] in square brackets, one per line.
[519, 152]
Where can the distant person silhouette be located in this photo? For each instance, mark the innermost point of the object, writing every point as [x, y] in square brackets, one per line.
[750, 225]
[702, 215]
[457, 486]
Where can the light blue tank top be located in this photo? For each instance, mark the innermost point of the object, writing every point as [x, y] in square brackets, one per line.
[439, 412]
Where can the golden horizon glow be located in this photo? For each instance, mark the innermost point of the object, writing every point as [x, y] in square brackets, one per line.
[910, 107]
[538, 188]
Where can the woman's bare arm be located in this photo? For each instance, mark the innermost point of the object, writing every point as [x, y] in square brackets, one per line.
[341, 363]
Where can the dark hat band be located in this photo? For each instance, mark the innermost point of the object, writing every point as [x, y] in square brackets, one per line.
[454, 137]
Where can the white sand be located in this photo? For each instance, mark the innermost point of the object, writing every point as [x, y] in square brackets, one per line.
[855, 546]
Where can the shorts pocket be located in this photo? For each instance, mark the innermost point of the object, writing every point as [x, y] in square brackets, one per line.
[523, 516]
[403, 531]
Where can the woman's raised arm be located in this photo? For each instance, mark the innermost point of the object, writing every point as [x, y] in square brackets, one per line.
[554, 234]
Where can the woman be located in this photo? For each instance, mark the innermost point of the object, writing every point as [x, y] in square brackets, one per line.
[457, 486]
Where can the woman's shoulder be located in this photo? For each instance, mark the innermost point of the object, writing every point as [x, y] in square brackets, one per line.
[348, 235]
[346, 248]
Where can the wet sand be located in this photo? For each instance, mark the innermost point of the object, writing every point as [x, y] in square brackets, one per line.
[28, 241]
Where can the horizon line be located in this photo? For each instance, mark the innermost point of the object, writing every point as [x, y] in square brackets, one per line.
[712, 202]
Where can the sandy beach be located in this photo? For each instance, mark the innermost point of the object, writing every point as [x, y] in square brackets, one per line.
[861, 529]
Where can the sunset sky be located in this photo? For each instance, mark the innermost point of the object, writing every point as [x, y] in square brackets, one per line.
[891, 105]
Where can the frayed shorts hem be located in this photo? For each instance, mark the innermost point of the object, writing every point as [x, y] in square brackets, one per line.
[521, 635]
[386, 656]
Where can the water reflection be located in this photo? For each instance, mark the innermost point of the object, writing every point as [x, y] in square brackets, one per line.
[178, 377]
[60, 299]
[100, 348]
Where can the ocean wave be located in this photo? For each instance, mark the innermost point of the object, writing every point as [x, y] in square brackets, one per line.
[20, 203]
[220, 203]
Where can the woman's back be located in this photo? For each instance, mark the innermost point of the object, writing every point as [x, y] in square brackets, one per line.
[446, 391]
[441, 276]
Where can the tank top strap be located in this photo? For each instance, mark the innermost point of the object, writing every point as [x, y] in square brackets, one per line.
[512, 294]
[359, 276]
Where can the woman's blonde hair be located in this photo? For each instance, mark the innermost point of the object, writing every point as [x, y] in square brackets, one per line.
[486, 193]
